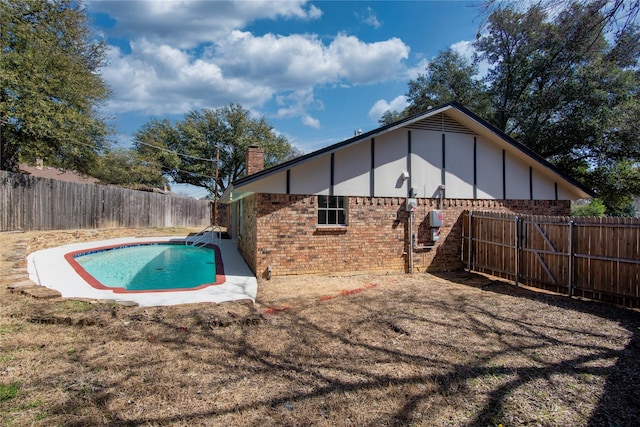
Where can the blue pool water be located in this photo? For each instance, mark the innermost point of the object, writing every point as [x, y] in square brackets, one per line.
[149, 267]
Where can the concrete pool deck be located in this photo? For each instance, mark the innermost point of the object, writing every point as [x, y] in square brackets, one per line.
[50, 269]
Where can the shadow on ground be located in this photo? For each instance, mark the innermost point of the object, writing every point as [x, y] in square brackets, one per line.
[619, 404]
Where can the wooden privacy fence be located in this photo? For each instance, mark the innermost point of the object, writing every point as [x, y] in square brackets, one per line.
[31, 203]
[597, 258]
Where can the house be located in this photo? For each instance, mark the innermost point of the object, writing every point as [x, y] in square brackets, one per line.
[389, 200]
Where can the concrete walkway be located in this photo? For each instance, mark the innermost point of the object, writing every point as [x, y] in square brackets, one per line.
[50, 269]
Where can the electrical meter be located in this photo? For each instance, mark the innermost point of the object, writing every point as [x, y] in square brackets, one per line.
[435, 218]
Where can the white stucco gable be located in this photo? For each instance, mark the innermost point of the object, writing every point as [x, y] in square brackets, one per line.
[447, 146]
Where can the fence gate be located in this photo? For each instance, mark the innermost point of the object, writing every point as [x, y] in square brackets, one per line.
[543, 254]
[598, 258]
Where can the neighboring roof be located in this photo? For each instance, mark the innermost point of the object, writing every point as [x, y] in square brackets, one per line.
[72, 176]
[59, 174]
[456, 110]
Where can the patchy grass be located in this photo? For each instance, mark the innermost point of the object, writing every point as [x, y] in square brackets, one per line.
[355, 350]
[9, 391]
[73, 306]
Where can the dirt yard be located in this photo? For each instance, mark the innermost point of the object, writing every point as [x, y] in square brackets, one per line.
[454, 349]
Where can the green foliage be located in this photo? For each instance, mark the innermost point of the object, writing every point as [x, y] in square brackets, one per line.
[562, 89]
[618, 181]
[449, 77]
[593, 208]
[9, 391]
[49, 85]
[391, 116]
[187, 150]
[556, 84]
[128, 168]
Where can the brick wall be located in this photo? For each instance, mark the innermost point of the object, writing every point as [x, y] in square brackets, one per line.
[247, 231]
[376, 238]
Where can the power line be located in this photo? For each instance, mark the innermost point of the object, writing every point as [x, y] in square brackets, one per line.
[189, 172]
[174, 152]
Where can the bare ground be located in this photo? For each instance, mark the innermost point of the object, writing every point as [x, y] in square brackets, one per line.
[450, 349]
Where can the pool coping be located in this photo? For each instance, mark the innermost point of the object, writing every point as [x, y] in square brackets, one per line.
[50, 269]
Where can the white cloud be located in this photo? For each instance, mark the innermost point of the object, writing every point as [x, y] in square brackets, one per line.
[187, 24]
[300, 60]
[420, 68]
[381, 106]
[296, 104]
[363, 63]
[314, 12]
[161, 79]
[371, 19]
[466, 49]
[191, 55]
[310, 122]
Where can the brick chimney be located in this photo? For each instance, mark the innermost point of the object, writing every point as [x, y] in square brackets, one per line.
[255, 159]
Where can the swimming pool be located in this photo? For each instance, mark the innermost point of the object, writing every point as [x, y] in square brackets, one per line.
[52, 268]
[149, 267]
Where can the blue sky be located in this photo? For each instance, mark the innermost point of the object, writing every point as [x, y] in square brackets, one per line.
[316, 70]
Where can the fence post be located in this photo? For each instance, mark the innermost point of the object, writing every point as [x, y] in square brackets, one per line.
[469, 253]
[517, 250]
[570, 258]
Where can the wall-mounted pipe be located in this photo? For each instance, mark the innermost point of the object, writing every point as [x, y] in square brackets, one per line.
[413, 237]
[410, 242]
[418, 247]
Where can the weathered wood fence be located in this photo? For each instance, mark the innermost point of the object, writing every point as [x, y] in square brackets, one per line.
[597, 258]
[31, 203]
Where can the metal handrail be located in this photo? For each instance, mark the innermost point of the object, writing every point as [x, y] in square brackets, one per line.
[200, 238]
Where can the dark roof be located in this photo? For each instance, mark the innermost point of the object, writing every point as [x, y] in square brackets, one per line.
[400, 123]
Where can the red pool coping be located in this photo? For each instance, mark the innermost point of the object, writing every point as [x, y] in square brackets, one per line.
[94, 283]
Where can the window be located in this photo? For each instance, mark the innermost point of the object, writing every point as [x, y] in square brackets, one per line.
[332, 210]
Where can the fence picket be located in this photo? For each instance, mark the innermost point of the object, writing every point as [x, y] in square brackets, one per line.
[32, 203]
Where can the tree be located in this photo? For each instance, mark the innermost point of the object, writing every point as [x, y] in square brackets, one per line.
[449, 77]
[616, 15]
[562, 89]
[127, 168]
[49, 85]
[187, 150]
[556, 84]
[391, 116]
[594, 208]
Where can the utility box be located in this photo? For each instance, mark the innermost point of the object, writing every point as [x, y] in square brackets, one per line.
[435, 218]
[412, 204]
